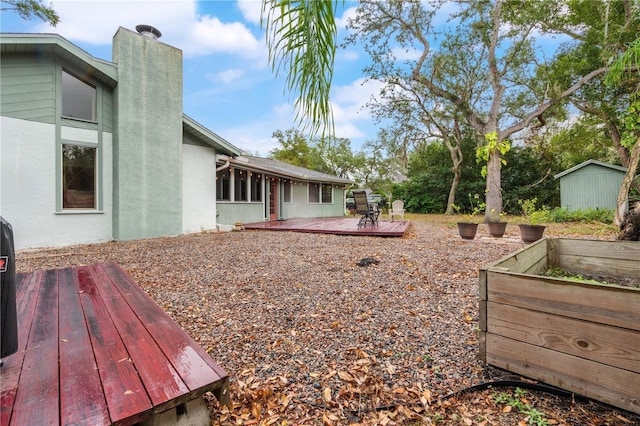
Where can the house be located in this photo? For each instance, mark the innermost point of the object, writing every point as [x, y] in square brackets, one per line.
[590, 185]
[95, 150]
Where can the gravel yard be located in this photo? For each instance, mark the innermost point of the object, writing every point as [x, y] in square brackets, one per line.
[308, 336]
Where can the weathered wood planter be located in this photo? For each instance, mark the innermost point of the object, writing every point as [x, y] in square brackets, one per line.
[578, 336]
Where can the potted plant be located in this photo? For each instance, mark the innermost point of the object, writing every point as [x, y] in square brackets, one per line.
[468, 227]
[496, 225]
[532, 231]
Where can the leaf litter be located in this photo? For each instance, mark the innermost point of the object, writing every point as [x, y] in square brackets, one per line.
[308, 336]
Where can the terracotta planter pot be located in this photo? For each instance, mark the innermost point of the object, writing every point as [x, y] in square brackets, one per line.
[496, 229]
[531, 233]
[467, 230]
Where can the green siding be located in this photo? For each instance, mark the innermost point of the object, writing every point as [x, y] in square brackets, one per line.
[592, 186]
[28, 88]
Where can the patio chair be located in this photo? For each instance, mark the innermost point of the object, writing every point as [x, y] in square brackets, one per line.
[369, 213]
[397, 209]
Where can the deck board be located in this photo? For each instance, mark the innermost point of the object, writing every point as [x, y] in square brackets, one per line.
[335, 225]
[95, 349]
[26, 298]
[38, 392]
[81, 396]
[123, 389]
[192, 362]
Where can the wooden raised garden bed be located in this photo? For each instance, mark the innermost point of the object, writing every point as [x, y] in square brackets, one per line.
[579, 336]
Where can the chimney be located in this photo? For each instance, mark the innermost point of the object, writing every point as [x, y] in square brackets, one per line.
[149, 31]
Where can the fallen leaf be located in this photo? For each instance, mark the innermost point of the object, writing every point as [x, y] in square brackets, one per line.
[327, 394]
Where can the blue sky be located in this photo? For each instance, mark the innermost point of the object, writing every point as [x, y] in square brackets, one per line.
[228, 85]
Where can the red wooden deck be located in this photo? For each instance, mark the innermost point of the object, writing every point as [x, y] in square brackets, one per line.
[335, 225]
[95, 349]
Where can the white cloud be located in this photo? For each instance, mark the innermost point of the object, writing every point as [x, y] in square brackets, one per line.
[341, 22]
[251, 10]
[170, 17]
[177, 20]
[230, 75]
[209, 35]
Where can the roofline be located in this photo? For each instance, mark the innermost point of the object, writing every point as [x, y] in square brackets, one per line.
[247, 165]
[588, 162]
[207, 136]
[108, 71]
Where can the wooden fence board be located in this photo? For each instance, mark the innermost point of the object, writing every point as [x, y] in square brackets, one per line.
[592, 379]
[613, 346]
[618, 306]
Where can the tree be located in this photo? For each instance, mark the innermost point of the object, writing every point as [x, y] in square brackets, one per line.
[496, 39]
[333, 156]
[301, 38]
[627, 66]
[294, 148]
[30, 8]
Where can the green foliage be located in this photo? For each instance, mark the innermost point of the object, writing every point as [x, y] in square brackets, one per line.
[294, 148]
[301, 39]
[532, 214]
[560, 215]
[476, 207]
[555, 272]
[491, 144]
[29, 8]
[517, 400]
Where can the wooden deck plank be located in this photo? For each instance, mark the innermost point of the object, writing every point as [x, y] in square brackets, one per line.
[199, 371]
[28, 287]
[334, 225]
[38, 391]
[85, 354]
[126, 397]
[81, 396]
[161, 381]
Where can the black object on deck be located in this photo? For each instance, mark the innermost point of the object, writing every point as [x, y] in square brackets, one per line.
[8, 317]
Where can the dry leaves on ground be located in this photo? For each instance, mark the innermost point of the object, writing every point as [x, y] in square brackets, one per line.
[309, 337]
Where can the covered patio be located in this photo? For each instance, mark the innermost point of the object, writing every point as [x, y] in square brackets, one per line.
[334, 225]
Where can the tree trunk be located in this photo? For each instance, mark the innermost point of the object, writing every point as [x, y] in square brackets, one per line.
[456, 159]
[494, 193]
[452, 191]
[626, 184]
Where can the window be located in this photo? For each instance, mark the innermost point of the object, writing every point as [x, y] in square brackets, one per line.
[327, 195]
[78, 177]
[78, 98]
[256, 187]
[314, 192]
[240, 184]
[286, 188]
[222, 185]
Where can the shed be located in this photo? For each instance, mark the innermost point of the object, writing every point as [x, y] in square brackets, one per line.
[590, 185]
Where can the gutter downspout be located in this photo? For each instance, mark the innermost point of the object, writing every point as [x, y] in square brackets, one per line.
[225, 165]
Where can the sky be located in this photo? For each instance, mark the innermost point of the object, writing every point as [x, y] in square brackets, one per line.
[229, 86]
